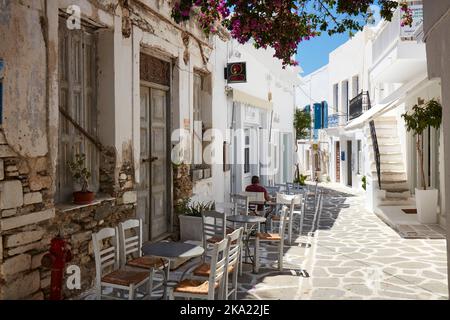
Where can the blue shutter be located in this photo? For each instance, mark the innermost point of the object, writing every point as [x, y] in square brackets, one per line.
[307, 109]
[317, 116]
[325, 114]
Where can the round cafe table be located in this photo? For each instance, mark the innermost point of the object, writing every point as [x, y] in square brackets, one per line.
[245, 220]
[171, 251]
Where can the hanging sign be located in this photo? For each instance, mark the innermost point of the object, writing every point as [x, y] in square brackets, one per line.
[236, 72]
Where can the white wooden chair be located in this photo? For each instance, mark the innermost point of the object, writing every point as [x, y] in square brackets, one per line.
[241, 203]
[233, 264]
[272, 237]
[131, 257]
[107, 266]
[255, 196]
[206, 289]
[233, 251]
[291, 202]
[273, 190]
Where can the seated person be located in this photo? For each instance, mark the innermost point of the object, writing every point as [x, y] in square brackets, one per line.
[256, 187]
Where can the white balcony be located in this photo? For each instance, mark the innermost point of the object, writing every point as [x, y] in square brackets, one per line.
[397, 55]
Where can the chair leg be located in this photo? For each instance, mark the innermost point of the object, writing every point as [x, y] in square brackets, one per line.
[301, 223]
[290, 233]
[98, 292]
[256, 262]
[131, 293]
[150, 282]
[280, 256]
[235, 284]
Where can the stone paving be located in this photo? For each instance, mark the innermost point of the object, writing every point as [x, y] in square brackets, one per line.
[349, 253]
[346, 252]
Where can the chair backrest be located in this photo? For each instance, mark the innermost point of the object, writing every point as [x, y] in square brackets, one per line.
[282, 187]
[283, 198]
[213, 225]
[219, 260]
[254, 196]
[234, 247]
[240, 204]
[130, 234]
[272, 190]
[227, 207]
[106, 253]
[283, 215]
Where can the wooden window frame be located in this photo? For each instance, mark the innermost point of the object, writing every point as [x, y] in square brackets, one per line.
[78, 98]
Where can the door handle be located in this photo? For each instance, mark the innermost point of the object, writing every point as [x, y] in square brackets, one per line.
[150, 160]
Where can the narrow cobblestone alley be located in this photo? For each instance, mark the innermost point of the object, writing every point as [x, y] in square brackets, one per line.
[349, 253]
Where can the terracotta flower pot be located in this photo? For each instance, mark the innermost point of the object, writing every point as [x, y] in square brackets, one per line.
[83, 197]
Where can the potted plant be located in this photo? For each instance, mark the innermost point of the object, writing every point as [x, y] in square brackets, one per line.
[364, 182]
[190, 215]
[81, 176]
[421, 118]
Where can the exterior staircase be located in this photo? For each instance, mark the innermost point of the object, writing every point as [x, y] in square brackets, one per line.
[393, 171]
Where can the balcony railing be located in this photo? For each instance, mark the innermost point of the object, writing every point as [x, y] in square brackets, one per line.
[337, 120]
[359, 105]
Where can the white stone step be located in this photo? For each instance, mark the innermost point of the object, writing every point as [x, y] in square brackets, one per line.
[390, 175]
[389, 140]
[388, 156]
[397, 202]
[385, 119]
[385, 125]
[385, 131]
[391, 147]
[398, 195]
[394, 185]
[389, 166]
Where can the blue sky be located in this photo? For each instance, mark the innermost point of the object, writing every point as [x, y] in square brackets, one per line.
[313, 54]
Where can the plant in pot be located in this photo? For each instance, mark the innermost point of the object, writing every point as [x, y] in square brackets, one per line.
[421, 117]
[190, 216]
[81, 176]
[364, 182]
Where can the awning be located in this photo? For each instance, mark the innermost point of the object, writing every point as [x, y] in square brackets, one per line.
[242, 97]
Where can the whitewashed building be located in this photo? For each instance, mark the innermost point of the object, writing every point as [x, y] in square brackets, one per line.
[378, 75]
[313, 152]
[435, 34]
[256, 119]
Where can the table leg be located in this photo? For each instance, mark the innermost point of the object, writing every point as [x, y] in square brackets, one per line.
[166, 279]
[256, 255]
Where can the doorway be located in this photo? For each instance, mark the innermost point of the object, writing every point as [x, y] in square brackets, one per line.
[153, 204]
[349, 164]
[338, 162]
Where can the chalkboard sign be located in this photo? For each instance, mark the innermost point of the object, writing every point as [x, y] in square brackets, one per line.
[376, 150]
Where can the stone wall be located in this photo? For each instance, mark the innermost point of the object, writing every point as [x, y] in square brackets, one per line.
[29, 220]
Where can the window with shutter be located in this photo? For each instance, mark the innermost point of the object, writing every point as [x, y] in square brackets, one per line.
[202, 116]
[77, 89]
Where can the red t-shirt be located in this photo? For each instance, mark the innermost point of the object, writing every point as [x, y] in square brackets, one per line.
[258, 188]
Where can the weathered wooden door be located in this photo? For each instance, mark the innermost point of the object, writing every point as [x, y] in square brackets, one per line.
[152, 205]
